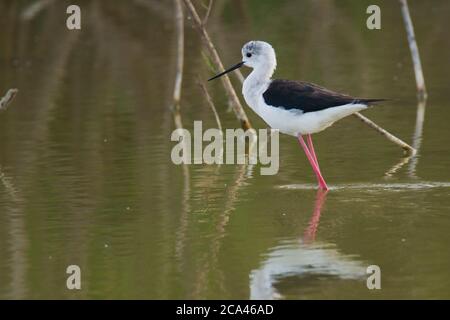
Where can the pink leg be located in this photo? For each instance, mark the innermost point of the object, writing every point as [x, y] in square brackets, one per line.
[313, 154]
[311, 149]
[320, 179]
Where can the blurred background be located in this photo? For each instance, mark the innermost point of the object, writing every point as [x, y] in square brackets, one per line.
[86, 176]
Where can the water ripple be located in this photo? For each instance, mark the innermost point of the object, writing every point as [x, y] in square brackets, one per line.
[422, 185]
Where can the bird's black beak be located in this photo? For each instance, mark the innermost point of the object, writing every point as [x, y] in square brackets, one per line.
[238, 65]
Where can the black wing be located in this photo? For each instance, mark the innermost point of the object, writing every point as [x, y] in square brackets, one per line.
[306, 97]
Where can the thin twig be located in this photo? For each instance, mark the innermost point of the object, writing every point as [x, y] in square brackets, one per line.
[211, 104]
[420, 80]
[408, 149]
[179, 22]
[6, 100]
[237, 106]
[208, 13]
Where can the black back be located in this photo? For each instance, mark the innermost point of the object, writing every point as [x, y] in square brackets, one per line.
[306, 97]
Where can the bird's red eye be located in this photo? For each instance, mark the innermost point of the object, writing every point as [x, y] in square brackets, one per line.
[249, 55]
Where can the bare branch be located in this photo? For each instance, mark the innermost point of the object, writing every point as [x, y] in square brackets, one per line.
[208, 13]
[6, 100]
[179, 21]
[237, 106]
[408, 149]
[420, 80]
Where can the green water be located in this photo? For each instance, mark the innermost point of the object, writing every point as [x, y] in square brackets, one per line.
[86, 176]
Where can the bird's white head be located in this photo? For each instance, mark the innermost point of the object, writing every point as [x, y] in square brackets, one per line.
[259, 54]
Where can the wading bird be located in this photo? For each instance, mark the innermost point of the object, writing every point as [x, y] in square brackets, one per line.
[295, 108]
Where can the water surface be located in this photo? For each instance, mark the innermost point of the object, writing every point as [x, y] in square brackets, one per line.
[86, 176]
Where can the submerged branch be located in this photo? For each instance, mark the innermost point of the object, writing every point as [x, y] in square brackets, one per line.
[420, 81]
[6, 100]
[231, 93]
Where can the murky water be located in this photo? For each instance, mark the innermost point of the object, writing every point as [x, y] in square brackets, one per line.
[86, 176]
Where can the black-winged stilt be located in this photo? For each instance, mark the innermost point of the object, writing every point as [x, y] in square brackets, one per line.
[295, 108]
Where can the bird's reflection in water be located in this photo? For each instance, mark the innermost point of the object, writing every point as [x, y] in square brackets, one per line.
[310, 232]
[304, 260]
